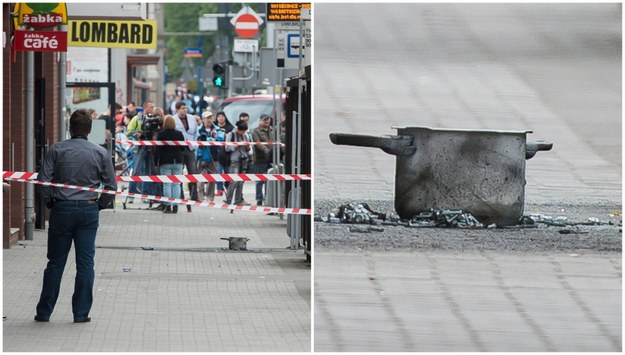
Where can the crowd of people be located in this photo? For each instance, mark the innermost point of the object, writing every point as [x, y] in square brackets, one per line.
[152, 123]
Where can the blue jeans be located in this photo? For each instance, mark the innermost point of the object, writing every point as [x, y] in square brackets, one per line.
[75, 221]
[145, 166]
[171, 189]
[221, 186]
[260, 168]
[133, 187]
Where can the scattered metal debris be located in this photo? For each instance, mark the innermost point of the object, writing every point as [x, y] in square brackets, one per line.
[548, 220]
[572, 231]
[445, 218]
[561, 221]
[361, 213]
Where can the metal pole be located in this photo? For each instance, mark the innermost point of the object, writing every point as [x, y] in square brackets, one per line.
[29, 206]
[62, 68]
[280, 200]
[229, 90]
[294, 194]
[199, 77]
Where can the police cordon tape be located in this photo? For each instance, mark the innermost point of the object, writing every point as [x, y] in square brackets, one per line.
[298, 211]
[215, 178]
[184, 178]
[196, 143]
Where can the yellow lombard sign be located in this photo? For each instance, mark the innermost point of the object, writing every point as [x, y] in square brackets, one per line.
[112, 34]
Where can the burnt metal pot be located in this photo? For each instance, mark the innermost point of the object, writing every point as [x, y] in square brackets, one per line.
[237, 243]
[479, 171]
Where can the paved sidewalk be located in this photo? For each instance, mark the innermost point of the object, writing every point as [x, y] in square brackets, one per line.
[467, 301]
[169, 283]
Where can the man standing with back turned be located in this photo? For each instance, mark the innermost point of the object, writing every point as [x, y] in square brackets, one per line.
[74, 214]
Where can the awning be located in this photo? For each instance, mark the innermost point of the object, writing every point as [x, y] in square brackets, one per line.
[138, 59]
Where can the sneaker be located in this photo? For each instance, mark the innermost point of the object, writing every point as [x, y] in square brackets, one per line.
[259, 203]
[82, 320]
[243, 203]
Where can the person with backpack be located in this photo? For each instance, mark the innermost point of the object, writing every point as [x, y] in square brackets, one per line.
[223, 127]
[206, 156]
[239, 161]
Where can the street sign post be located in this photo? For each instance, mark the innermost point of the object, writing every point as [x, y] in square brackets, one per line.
[192, 53]
[246, 26]
[246, 22]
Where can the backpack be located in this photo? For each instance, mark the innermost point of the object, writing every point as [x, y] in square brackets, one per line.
[223, 154]
[204, 153]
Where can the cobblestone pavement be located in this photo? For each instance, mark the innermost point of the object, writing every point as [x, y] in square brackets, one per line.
[554, 69]
[169, 283]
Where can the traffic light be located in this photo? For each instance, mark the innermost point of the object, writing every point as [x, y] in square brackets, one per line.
[219, 75]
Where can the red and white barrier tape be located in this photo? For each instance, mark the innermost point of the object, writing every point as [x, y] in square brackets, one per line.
[298, 211]
[215, 178]
[197, 143]
[184, 178]
[18, 175]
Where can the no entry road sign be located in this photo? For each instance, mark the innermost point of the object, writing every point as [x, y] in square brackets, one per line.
[246, 26]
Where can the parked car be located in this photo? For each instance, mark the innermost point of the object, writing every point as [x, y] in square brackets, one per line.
[254, 105]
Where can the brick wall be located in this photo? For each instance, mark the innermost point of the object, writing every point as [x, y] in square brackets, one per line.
[14, 125]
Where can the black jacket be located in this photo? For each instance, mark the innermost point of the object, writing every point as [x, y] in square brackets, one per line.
[169, 154]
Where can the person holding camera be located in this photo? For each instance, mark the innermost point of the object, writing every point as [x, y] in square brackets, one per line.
[206, 156]
[152, 124]
[74, 214]
[239, 161]
[144, 164]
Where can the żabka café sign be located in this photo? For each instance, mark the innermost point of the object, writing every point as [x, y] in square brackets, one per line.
[40, 16]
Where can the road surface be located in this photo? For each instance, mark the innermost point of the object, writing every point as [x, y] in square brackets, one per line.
[554, 69]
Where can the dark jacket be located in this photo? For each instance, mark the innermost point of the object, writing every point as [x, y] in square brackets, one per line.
[227, 127]
[261, 151]
[169, 154]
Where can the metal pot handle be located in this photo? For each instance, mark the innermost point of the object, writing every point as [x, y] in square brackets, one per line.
[531, 147]
[394, 145]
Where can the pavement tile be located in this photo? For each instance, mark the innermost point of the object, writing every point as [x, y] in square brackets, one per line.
[169, 283]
